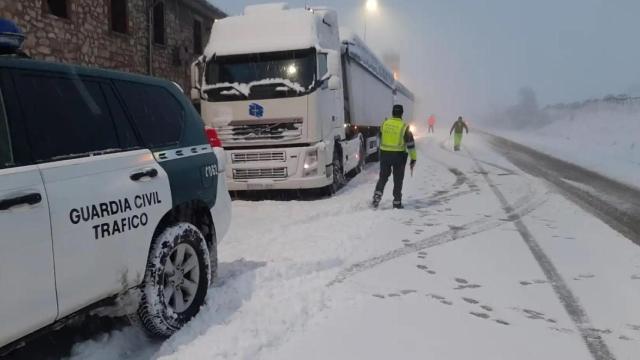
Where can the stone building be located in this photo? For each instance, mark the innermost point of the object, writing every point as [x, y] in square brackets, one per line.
[155, 37]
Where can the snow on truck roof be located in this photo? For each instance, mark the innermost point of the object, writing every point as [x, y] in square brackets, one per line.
[357, 50]
[264, 28]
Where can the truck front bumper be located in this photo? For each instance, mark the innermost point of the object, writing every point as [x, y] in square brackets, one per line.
[277, 168]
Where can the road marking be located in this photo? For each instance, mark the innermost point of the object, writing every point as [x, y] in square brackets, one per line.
[596, 345]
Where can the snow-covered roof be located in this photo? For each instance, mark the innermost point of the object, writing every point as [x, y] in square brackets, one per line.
[357, 50]
[265, 28]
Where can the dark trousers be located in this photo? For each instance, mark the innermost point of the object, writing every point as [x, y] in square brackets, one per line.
[396, 162]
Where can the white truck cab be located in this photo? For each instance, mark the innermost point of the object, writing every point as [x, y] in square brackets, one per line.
[271, 84]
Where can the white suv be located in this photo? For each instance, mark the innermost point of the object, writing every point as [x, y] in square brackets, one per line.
[108, 183]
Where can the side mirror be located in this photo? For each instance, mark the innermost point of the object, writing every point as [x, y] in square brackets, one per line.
[335, 83]
[334, 63]
[196, 76]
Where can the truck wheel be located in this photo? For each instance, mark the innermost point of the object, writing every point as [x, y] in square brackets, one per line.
[362, 159]
[338, 175]
[176, 281]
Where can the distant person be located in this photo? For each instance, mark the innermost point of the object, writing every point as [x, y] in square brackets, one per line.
[432, 123]
[396, 140]
[458, 127]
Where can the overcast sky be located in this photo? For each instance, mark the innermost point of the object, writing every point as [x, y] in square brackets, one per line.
[465, 56]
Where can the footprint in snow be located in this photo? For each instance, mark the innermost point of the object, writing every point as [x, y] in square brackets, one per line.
[422, 253]
[532, 282]
[633, 327]
[635, 277]
[393, 295]
[436, 296]
[421, 257]
[501, 322]
[379, 296]
[625, 338]
[469, 286]
[470, 300]
[461, 281]
[480, 315]
[431, 272]
[486, 308]
[407, 292]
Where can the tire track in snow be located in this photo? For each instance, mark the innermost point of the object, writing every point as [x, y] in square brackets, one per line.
[443, 146]
[594, 341]
[529, 203]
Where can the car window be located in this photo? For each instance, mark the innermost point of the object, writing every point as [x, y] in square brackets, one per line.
[65, 117]
[126, 135]
[6, 155]
[157, 114]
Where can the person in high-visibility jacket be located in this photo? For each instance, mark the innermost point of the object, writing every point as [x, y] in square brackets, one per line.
[432, 123]
[458, 127]
[396, 140]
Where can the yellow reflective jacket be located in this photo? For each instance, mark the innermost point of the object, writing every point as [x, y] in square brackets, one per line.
[395, 136]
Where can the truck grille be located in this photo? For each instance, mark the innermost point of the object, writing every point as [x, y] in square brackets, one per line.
[258, 156]
[248, 174]
[263, 130]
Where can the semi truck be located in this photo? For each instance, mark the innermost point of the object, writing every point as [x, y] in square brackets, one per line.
[296, 101]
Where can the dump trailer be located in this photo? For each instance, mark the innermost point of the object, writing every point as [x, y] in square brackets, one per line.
[295, 105]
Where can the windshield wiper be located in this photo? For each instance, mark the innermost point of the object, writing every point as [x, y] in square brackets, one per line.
[226, 86]
[275, 82]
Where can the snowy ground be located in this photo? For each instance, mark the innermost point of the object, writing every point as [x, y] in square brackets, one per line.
[485, 262]
[602, 137]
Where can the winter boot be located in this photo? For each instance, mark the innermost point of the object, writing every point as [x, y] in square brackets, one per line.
[377, 196]
[397, 204]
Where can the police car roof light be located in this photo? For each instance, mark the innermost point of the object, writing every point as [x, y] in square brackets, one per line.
[11, 36]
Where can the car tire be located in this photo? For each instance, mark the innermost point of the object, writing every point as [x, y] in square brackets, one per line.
[176, 281]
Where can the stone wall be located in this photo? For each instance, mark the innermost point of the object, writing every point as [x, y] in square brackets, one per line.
[86, 38]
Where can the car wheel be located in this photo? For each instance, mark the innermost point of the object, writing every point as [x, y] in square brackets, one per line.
[176, 281]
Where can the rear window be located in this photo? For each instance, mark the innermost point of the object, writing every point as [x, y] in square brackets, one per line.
[156, 112]
[65, 117]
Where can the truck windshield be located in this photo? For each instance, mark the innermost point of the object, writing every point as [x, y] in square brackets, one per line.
[261, 76]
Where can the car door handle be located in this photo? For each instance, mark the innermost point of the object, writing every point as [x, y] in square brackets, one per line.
[29, 199]
[148, 173]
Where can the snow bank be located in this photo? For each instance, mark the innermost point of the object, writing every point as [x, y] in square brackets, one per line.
[603, 136]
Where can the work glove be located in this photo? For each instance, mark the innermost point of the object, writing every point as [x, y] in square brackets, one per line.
[412, 164]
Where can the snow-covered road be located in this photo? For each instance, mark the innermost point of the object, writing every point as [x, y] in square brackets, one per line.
[485, 262]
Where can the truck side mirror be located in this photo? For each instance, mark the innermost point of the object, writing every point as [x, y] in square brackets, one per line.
[334, 63]
[196, 76]
[335, 83]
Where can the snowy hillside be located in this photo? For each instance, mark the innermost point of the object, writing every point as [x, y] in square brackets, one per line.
[603, 136]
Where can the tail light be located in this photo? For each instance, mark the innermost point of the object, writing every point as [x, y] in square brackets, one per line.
[212, 135]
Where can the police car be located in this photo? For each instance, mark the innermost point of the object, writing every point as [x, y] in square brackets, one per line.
[109, 184]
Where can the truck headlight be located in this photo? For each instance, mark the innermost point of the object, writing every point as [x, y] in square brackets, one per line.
[311, 163]
[311, 160]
